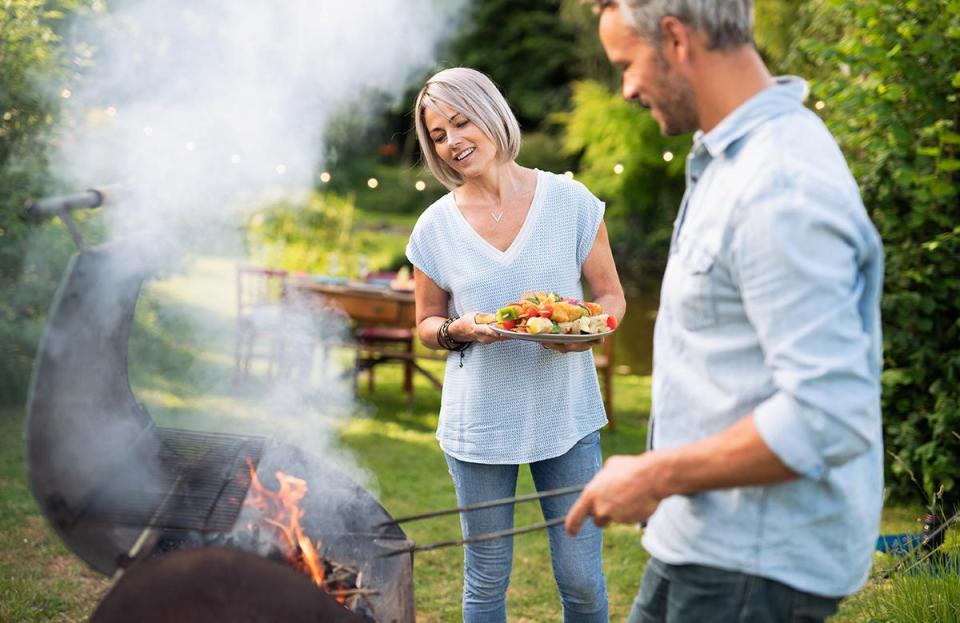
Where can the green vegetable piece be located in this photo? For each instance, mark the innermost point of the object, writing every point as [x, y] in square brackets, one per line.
[556, 326]
[506, 313]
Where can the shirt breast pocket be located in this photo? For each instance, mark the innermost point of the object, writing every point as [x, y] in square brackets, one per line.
[695, 291]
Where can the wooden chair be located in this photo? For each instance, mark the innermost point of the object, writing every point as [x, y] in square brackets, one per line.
[267, 328]
[377, 345]
[604, 360]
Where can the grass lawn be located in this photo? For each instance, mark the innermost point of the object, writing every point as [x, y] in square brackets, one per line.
[391, 439]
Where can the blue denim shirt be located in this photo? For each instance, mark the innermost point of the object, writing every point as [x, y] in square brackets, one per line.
[770, 307]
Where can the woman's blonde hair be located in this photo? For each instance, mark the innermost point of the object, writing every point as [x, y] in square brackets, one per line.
[473, 95]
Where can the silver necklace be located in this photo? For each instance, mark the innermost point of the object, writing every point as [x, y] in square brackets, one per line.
[496, 215]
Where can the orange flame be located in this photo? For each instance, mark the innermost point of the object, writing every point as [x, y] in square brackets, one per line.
[281, 511]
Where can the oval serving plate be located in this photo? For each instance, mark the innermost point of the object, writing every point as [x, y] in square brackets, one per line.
[551, 338]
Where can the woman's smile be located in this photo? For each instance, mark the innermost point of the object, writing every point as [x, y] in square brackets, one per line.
[464, 155]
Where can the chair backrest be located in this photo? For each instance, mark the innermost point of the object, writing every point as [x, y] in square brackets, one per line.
[258, 286]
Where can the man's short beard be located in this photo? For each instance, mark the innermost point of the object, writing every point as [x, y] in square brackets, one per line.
[677, 104]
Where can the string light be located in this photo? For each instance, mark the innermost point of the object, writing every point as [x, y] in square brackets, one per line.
[235, 158]
[65, 94]
[147, 130]
[668, 156]
[420, 185]
[618, 168]
[819, 105]
[372, 182]
[191, 146]
[325, 177]
[568, 175]
[281, 169]
[111, 111]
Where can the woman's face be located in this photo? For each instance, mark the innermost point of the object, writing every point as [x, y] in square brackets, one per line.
[459, 142]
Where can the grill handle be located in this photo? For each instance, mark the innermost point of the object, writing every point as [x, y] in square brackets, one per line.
[88, 199]
[62, 205]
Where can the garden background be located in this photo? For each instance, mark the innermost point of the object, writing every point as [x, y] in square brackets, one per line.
[884, 76]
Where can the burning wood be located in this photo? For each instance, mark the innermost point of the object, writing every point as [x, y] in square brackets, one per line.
[280, 512]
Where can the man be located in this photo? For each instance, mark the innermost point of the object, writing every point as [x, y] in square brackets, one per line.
[763, 480]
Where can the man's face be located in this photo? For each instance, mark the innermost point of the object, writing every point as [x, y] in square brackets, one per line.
[648, 78]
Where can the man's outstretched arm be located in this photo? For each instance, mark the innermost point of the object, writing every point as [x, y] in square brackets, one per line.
[629, 488]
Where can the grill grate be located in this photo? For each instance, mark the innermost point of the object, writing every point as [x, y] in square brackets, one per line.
[193, 481]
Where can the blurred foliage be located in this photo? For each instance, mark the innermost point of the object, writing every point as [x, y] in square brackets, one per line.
[301, 235]
[544, 151]
[525, 49]
[325, 234]
[642, 198]
[889, 77]
[32, 257]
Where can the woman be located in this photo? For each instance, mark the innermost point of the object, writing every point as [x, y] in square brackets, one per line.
[503, 230]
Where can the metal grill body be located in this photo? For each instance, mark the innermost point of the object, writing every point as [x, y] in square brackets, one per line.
[105, 476]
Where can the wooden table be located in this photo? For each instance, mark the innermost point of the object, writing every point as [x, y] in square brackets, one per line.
[366, 304]
[371, 306]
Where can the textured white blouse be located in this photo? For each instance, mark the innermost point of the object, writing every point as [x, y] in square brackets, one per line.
[512, 401]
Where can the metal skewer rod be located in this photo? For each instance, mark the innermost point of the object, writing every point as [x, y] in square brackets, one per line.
[482, 505]
[474, 539]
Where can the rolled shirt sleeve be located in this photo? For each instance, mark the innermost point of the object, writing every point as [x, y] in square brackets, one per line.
[802, 260]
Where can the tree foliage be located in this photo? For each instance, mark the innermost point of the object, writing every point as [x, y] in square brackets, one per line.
[626, 161]
[31, 60]
[890, 88]
[525, 48]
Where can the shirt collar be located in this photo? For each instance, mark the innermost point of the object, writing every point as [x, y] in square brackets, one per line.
[786, 93]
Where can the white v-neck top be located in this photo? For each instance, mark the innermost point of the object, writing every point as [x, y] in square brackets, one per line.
[513, 402]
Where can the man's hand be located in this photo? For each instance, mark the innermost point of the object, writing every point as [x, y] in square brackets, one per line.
[627, 490]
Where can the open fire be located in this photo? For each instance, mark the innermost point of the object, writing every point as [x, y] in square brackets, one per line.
[280, 512]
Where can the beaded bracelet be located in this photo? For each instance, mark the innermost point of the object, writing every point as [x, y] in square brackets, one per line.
[445, 340]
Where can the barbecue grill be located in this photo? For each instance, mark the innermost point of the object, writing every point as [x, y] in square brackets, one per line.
[119, 489]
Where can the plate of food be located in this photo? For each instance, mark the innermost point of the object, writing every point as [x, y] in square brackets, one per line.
[547, 317]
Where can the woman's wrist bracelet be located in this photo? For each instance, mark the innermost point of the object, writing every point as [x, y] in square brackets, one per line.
[445, 340]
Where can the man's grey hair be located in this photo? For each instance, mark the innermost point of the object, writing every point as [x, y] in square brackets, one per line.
[728, 24]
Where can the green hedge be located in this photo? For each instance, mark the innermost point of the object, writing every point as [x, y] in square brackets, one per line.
[890, 89]
[31, 257]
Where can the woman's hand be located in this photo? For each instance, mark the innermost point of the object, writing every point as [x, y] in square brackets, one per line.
[576, 347]
[466, 329]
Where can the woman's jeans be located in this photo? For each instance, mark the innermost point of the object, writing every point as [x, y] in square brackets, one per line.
[577, 564]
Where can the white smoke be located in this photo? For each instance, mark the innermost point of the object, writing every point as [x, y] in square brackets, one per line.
[199, 107]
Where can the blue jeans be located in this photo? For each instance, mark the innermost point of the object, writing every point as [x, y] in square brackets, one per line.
[577, 563]
[680, 593]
